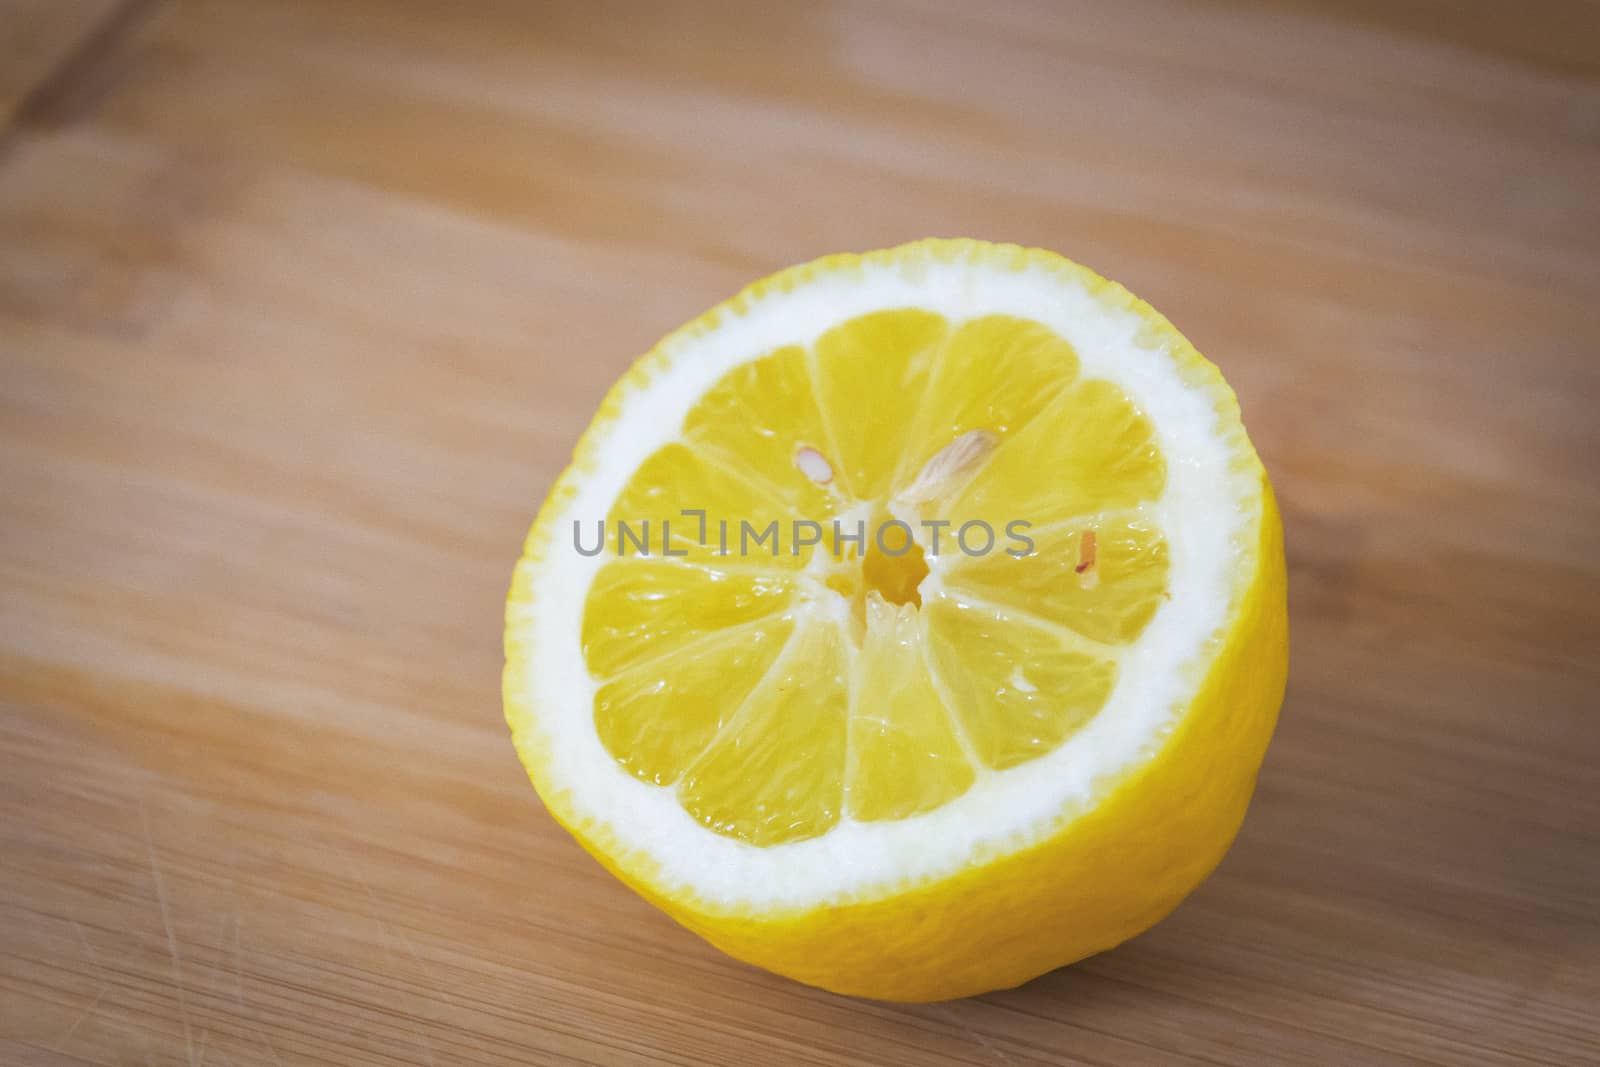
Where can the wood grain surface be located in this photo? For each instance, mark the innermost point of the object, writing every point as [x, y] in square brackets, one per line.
[303, 305]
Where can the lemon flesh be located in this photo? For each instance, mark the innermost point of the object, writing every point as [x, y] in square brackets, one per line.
[902, 770]
[773, 716]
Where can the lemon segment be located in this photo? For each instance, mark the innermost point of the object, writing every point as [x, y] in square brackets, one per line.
[871, 373]
[648, 517]
[996, 373]
[1019, 689]
[1091, 450]
[776, 772]
[1102, 577]
[647, 610]
[629, 709]
[906, 754]
[752, 423]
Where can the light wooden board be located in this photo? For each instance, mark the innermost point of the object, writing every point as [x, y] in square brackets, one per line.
[303, 305]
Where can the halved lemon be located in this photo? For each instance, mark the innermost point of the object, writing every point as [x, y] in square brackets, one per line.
[911, 624]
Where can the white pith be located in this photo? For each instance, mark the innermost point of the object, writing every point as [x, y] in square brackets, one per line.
[1003, 811]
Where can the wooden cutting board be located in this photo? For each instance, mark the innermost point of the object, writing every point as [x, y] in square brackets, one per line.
[302, 306]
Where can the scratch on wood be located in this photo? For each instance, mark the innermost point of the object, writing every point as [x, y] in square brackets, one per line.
[166, 921]
[238, 991]
[998, 1052]
[61, 1042]
[406, 941]
[88, 949]
[383, 931]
